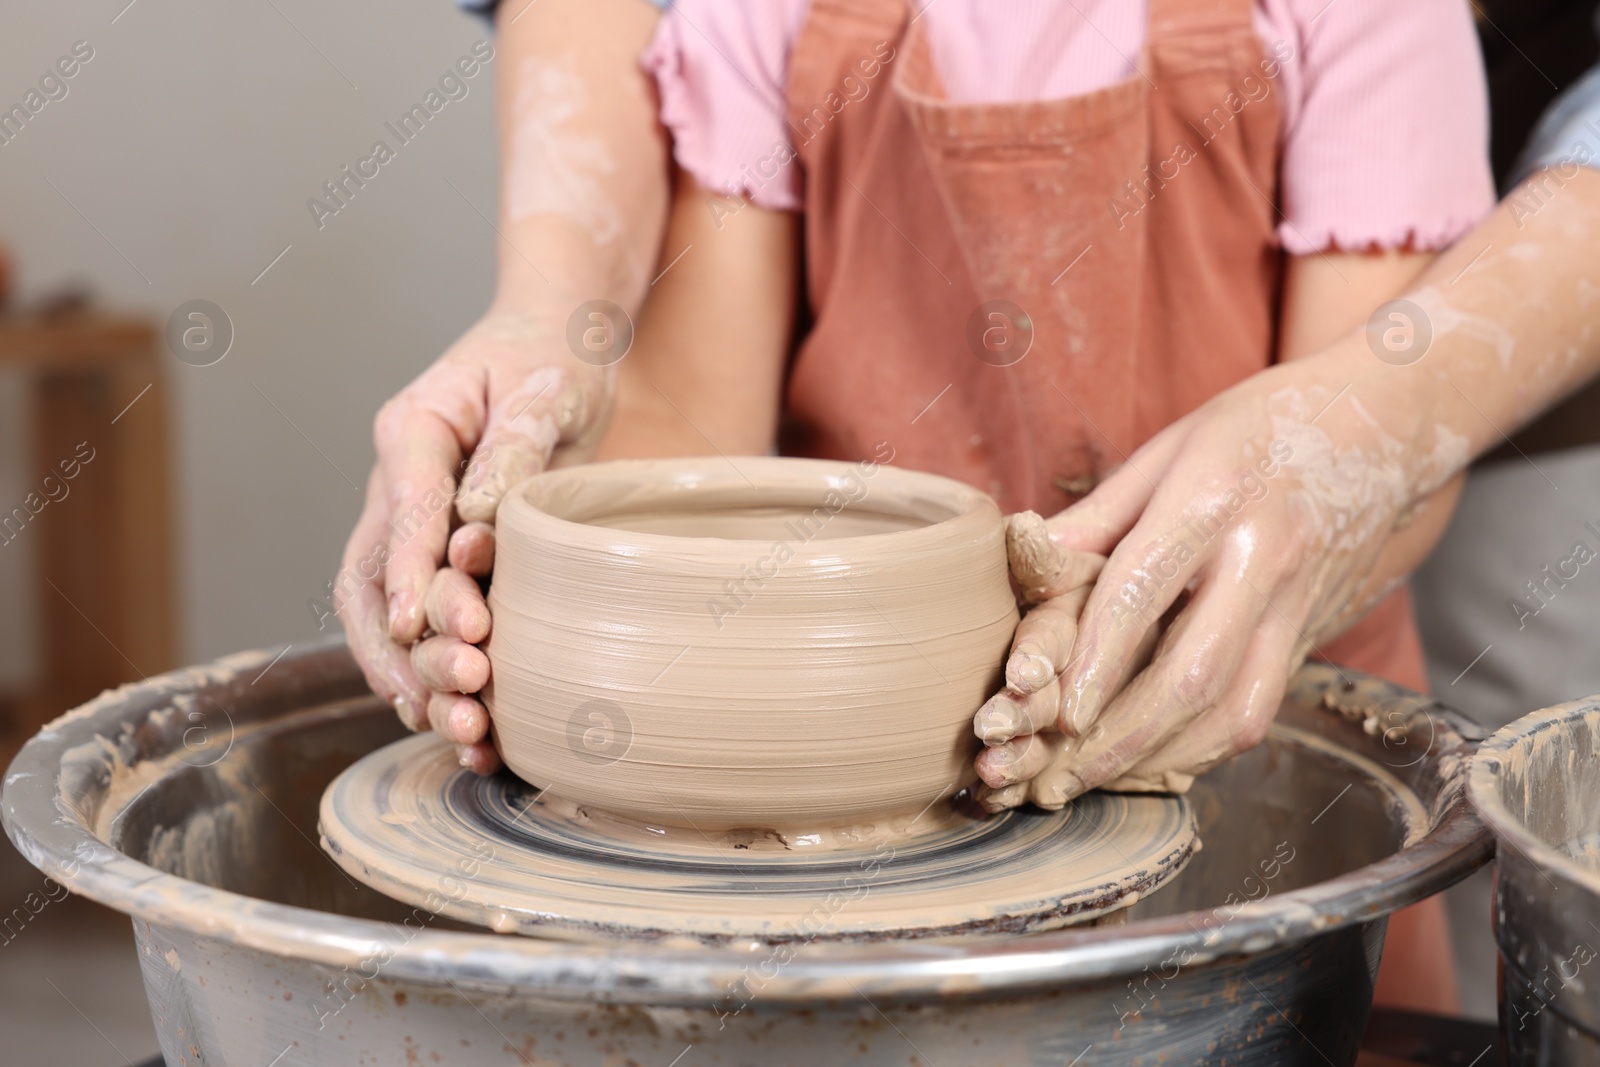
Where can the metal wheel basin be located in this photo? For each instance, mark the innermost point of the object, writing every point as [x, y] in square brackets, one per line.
[189, 802]
[1536, 783]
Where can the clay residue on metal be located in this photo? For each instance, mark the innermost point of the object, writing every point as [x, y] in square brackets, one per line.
[1403, 723]
[97, 777]
[1404, 805]
[1548, 779]
[1585, 850]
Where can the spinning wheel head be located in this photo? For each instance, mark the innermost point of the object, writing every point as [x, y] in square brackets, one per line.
[410, 822]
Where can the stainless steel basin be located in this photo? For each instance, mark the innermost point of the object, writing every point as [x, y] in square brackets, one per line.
[1537, 784]
[189, 802]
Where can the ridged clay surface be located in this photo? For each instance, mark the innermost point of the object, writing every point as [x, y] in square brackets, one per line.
[754, 642]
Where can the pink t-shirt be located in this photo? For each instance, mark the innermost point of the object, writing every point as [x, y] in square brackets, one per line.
[1385, 113]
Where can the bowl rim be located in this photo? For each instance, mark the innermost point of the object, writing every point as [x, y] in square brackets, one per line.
[46, 830]
[972, 508]
[1483, 786]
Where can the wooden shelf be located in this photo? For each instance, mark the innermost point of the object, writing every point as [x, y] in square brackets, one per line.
[103, 589]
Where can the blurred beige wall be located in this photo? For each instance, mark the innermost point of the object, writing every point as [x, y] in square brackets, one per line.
[177, 166]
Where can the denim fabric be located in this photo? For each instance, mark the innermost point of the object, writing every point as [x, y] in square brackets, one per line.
[486, 7]
[1569, 132]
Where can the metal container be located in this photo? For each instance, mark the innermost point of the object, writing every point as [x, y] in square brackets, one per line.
[1537, 784]
[189, 802]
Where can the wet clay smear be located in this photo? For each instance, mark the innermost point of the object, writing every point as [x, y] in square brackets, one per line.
[1585, 850]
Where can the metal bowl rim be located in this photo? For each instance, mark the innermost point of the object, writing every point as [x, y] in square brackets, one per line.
[1483, 778]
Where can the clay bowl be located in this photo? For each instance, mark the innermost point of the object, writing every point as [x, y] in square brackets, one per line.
[757, 643]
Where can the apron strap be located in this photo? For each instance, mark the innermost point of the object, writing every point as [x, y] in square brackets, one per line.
[1170, 19]
[886, 16]
[813, 72]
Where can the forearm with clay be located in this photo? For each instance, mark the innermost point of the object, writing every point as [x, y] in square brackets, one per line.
[1511, 330]
[1510, 310]
[1033, 737]
[1373, 451]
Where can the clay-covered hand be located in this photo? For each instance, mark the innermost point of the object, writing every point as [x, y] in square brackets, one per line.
[1018, 724]
[1239, 539]
[506, 400]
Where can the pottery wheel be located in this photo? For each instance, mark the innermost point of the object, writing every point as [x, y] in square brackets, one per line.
[411, 823]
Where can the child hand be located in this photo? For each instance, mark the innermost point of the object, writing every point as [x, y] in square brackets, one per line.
[1018, 725]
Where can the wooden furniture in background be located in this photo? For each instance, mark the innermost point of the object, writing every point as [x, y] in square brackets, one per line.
[103, 591]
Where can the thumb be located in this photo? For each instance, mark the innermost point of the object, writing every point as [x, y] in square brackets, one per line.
[548, 409]
[1044, 568]
[1103, 518]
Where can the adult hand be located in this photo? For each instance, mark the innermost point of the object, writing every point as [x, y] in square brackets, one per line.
[1239, 538]
[510, 395]
[583, 205]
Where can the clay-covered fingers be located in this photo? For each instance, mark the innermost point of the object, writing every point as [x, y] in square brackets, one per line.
[530, 417]
[450, 665]
[1057, 581]
[420, 436]
[464, 721]
[385, 664]
[479, 759]
[461, 718]
[471, 549]
[1042, 568]
[359, 602]
[1007, 714]
[1145, 576]
[1005, 798]
[1043, 644]
[1031, 699]
[1017, 760]
[1236, 723]
[456, 608]
[1196, 662]
[1042, 788]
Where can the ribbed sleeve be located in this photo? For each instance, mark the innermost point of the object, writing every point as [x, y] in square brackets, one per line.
[721, 67]
[1388, 147]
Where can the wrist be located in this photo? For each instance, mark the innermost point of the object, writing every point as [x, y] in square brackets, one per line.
[1395, 394]
[550, 267]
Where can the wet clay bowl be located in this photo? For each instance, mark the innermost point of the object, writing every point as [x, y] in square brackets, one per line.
[754, 643]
